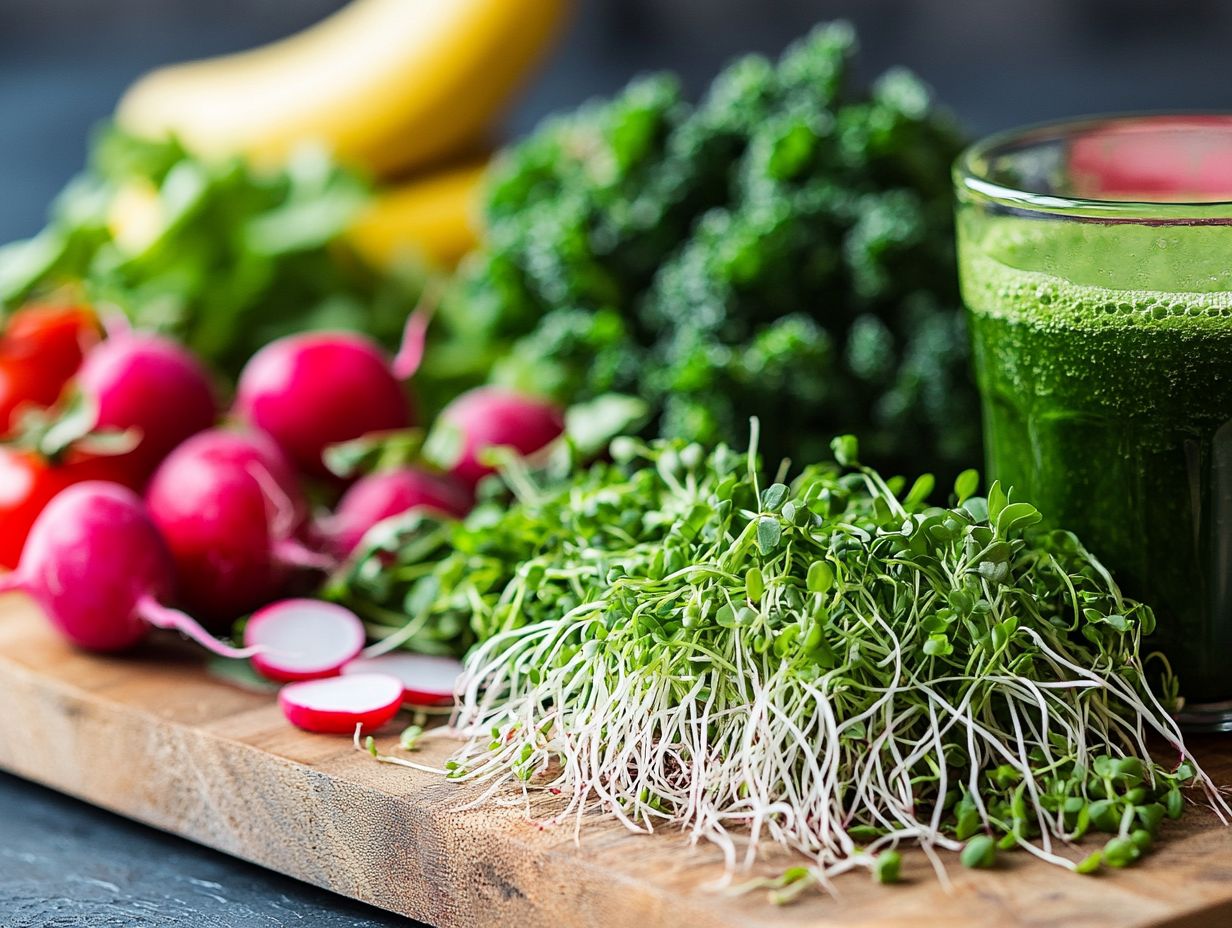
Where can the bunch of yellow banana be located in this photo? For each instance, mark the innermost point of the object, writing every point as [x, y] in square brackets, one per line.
[390, 86]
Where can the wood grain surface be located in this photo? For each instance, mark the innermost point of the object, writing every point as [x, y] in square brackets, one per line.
[155, 737]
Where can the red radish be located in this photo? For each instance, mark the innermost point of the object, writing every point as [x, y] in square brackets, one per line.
[229, 509]
[490, 417]
[96, 565]
[376, 497]
[319, 389]
[338, 704]
[303, 639]
[147, 383]
[426, 680]
[260, 455]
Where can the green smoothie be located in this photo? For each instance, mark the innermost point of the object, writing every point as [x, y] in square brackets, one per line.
[1103, 351]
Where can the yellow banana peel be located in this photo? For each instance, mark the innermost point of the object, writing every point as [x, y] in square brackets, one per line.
[433, 220]
[388, 85]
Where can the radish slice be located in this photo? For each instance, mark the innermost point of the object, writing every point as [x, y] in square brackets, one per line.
[303, 639]
[429, 681]
[338, 704]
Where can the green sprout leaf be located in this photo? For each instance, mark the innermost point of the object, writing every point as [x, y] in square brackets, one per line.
[979, 853]
[769, 534]
[887, 866]
[966, 484]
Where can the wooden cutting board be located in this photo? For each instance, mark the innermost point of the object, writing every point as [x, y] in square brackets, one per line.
[155, 737]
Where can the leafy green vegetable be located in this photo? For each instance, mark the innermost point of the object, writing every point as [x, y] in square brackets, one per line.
[669, 637]
[392, 586]
[221, 255]
[782, 249]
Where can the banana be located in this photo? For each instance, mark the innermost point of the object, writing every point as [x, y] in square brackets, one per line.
[434, 219]
[388, 85]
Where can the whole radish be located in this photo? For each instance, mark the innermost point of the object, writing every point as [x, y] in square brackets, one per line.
[318, 389]
[229, 510]
[490, 417]
[384, 494]
[96, 565]
[151, 385]
[260, 455]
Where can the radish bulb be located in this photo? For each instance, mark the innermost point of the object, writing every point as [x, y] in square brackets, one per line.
[491, 417]
[303, 639]
[338, 704]
[426, 680]
[229, 508]
[318, 389]
[151, 385]
[95, 563]
[385, 494]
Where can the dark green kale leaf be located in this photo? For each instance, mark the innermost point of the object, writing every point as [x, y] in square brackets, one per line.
[781, 249]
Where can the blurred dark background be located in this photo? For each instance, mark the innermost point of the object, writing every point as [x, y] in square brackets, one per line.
[63, 63]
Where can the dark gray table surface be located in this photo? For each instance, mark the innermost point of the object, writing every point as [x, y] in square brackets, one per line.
[65, 864]
[63, 62]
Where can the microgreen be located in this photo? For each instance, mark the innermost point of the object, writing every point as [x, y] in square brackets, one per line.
[410, 737]
[980, 852]
[887, 866]
[666, 640]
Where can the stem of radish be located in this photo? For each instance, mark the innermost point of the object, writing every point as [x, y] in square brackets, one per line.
[296, 554]
[410, 353]
[161, 616]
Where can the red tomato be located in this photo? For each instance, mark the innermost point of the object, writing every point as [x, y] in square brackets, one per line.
[40, 350]
[28, 482]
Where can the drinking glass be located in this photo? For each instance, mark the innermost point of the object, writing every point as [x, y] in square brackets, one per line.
[1096, 266]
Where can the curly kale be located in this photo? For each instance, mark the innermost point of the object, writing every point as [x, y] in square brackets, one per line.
[781, 249]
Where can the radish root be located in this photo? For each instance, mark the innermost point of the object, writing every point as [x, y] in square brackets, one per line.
[161, 616]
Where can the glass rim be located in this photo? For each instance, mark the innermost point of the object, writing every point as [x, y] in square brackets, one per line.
[971, 172]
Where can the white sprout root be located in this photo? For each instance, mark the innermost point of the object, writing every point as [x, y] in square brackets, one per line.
[739, 751]
[823, 668]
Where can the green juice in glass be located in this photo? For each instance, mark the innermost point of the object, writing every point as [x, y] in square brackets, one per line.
[1102, 334]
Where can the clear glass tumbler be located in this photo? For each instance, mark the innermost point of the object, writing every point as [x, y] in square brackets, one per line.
[1096, 266]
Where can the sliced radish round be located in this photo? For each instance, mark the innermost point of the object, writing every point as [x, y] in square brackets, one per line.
[429, 681]
[303, 639]
[336, 705]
